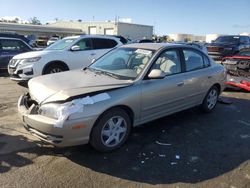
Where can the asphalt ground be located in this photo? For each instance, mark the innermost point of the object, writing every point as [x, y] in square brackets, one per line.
[187, 149]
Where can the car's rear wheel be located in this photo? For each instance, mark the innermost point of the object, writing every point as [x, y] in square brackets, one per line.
[55, 68]
[210, 100]
[111, 130]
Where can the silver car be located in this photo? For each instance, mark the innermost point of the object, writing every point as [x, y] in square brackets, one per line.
[128, 86]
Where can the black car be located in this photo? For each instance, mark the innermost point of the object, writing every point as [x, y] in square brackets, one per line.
[227, 45]
[10, 47]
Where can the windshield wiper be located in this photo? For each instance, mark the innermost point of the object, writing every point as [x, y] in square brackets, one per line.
[109, 74]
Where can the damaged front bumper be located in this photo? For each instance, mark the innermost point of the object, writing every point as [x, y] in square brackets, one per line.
[44, 127]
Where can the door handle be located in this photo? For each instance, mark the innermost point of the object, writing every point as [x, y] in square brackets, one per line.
[180, 84]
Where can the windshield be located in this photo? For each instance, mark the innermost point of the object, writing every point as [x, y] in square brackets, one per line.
[123, 63]
[61, 44]
[244, 53]
[228, 39]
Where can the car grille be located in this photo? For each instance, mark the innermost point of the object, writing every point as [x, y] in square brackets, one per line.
[14, 62]
[12, 70]
[214, 49]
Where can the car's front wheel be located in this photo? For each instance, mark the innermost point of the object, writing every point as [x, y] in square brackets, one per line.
[111, 130]
[210, 100]
[55, 68]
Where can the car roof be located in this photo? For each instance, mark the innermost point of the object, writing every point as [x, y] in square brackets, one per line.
[152, 46]
[10, 38]
[92, 36]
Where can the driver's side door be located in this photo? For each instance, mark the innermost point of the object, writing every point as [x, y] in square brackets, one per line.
[160, 97]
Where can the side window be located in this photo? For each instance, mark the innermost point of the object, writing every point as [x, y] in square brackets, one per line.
[244, 39]
[84, 44]
[168, 62]
[99, 43]
[193, 60]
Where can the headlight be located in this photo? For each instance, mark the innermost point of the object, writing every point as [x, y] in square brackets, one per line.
[31, 60]
[50, 110]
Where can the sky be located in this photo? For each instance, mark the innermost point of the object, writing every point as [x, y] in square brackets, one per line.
[197, 17]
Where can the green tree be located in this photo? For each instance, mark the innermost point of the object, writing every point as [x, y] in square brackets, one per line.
[35, 21]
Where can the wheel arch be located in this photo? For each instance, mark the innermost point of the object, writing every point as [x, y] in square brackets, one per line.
[127, 109]
[218, 87]
[55, 62]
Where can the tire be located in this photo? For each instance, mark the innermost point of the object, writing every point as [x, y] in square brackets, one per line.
[111, 131]
[210, 99]
[55, 68]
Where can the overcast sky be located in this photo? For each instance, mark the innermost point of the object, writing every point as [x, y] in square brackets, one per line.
[168, 16]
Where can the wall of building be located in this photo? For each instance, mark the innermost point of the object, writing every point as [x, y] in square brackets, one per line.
[186, 37]
[129, 30]
[28, 29]
[210, 37]
[135, 31]
[101, 27]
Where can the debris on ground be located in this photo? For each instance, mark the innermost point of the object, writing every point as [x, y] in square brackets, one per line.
[163, 144]
[162, 155]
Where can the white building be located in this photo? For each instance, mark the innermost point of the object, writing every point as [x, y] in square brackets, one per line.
[28, 29]
[186, 37]
[210, 37]
[129, 30]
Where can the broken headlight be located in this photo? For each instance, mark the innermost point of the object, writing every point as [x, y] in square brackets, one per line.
[50, 110]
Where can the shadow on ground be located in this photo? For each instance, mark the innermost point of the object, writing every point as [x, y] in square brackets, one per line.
[202, 146]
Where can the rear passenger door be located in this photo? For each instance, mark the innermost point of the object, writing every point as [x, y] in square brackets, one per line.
[198, 75]
[102, 46]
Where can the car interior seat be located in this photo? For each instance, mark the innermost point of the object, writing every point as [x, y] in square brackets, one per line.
[167, 64]
[143, 63]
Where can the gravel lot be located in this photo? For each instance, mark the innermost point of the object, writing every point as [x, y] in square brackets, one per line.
[187, 149]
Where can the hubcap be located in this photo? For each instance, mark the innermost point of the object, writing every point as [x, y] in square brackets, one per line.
[114, 131]
[55, 70]
[212, 99]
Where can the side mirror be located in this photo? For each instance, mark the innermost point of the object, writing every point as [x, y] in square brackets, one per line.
[75, 48]
[156, 74]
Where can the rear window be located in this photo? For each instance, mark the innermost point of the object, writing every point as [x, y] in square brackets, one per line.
[99, 43]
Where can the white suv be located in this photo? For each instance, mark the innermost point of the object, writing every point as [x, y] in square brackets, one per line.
[69, 53]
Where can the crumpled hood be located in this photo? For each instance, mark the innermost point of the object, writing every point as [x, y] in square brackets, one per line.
[31, 54]
[61, 86]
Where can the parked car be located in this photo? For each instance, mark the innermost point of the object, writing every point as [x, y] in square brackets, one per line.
[10, 47]
[52, 40]
[238, 69]
[129, 86]
[15, 35]
[227, 45]
[145, 41]
[69, 53]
